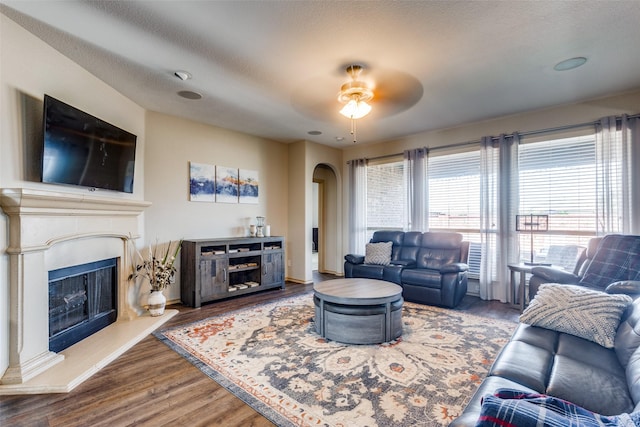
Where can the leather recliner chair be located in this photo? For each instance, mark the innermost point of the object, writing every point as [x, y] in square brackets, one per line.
[610, 264]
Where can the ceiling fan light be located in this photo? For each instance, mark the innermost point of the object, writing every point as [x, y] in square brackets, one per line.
[355, 109]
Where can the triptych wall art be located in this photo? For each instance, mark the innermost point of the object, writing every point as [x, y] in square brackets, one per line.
[210, 183]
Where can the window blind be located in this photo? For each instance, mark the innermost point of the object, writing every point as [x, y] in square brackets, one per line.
[386, 196]
[454, 192]
[557, 178]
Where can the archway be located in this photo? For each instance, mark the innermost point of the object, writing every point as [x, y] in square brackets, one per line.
[325, 225]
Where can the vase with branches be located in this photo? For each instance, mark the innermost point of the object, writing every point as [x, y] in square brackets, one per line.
[158, 269]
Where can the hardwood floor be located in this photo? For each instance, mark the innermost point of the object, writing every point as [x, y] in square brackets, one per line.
[151, 385]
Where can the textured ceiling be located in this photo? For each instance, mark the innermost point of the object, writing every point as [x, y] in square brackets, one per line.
[273, 68]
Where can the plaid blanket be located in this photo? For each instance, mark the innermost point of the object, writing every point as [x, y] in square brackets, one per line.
[617, 258]
[513, 408]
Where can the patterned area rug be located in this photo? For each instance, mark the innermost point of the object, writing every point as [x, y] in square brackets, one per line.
[271, 357]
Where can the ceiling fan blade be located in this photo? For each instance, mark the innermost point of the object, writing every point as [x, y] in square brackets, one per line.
[394, 92]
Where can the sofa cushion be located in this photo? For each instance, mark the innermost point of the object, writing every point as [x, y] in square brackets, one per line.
[378, 253]
[354, 259]
[422, 277]
[590, 386]
[369, 271]
[628, 334]
[525, 364]
[633, 378]
[510, 407]
[395, 237]
[576, 310]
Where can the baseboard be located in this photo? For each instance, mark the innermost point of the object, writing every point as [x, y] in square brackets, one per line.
[301, 282]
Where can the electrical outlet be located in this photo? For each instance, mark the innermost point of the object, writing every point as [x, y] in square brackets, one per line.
[288, 263]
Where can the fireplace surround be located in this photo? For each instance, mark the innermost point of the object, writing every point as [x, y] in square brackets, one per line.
[51, 230]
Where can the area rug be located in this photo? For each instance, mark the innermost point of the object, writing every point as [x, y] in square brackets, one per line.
[271, 357]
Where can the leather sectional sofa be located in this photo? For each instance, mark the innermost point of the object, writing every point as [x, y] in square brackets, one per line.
[431, 267]
[539, 360]
[544, 359]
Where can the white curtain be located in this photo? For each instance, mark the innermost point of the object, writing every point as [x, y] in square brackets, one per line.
[633, 124]
[615, 141]
[358, 206]
[415, 171]
[498, 207]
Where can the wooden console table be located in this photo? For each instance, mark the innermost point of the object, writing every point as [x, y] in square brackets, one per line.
[213, 269]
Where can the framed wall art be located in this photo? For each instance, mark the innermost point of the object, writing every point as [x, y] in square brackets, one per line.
[226, 184]
[201, 182]
[249, 186]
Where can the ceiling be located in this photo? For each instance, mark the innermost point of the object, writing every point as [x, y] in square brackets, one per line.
[274, 68]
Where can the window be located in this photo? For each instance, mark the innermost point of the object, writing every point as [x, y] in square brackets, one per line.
[454, 192]
[454, 199]
[386, 196]
[558, 178]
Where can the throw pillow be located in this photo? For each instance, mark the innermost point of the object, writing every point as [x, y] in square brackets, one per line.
[515, 408]
[378, 253]
[576, 310]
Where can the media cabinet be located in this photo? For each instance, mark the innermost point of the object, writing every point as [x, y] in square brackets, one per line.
[213, 269]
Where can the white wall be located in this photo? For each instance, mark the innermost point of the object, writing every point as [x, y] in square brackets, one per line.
[29, 68]
[173, 143]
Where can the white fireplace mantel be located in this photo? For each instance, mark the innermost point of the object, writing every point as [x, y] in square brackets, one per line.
[40, 219]
[50, 230]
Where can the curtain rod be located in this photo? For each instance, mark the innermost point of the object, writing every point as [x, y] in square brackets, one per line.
[528, 133]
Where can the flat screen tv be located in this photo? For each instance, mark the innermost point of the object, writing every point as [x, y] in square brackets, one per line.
[80, 149]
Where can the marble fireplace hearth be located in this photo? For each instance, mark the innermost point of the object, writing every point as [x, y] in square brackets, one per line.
[50, 230]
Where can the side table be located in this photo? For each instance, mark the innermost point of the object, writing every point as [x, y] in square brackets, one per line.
[517, 292]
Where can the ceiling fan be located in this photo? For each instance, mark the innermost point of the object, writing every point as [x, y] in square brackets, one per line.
[385, 92]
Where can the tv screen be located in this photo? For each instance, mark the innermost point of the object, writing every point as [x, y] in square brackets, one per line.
[80, 149]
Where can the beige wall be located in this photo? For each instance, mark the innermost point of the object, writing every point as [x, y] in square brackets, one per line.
[29, 69]
[173, 143]
[304, 156]
[329, 255]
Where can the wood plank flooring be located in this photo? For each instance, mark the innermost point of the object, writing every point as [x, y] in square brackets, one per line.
[151, 385]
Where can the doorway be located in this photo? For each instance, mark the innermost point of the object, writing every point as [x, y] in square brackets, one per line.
[318, 192]
[325, 223]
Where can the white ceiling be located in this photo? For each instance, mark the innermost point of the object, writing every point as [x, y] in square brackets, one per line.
[274, 68]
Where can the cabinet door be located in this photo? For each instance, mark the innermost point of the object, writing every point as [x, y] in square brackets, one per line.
[213, 277]
[272, 271]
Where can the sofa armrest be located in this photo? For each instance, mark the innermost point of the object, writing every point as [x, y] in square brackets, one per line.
[628, 287]
[555, 275]
[406, 263]
[354, 259]
[456, 267]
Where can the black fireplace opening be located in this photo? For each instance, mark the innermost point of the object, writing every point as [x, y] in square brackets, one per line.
[82, 301]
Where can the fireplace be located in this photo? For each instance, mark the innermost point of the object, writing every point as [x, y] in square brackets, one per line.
[82, 301]
[51, 231]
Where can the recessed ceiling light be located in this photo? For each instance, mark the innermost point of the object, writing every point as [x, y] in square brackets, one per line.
[314, 132]
[339, 138]
[189, 94]
[570, 64]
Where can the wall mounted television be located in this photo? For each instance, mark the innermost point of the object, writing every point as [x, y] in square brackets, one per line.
[80, 149]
